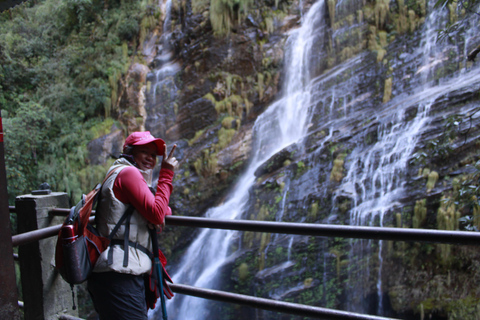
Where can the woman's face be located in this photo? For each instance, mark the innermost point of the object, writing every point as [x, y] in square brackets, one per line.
[145, 156]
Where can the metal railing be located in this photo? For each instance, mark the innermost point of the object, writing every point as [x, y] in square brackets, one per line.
[310, 229]
[322, 230]
[272, 305]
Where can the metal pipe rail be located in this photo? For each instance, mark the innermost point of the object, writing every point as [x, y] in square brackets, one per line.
[68, 317]
[31, 236]
[272, 305]
[379, 233]
[310, 229]
[328, 230]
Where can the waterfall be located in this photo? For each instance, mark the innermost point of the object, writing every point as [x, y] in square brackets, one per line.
[376, 176]
[162, 89]
[432, 52]
[282, 124]
[376, 169]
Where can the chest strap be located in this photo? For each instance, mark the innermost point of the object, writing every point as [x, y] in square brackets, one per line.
[132, 244]
[125, 243]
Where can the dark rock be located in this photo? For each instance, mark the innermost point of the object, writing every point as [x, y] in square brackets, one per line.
[191, 118]
[106, 147]
[277, 161]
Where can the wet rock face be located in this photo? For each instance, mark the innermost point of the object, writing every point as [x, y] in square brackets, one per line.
[191, 118]
[276, 162]
[307, 191]
[224, 83]
[132, 103]
[237, 153]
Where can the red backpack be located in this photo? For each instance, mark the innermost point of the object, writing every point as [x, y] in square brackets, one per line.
[79, 245]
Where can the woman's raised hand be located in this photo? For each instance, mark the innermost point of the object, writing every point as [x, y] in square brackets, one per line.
[169, 162]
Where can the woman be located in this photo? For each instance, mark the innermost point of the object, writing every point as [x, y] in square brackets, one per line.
[117, 283]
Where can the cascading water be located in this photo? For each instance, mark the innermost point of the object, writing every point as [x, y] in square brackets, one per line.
[376, 175]
[283, 123]
[162, 89]
[376, 164]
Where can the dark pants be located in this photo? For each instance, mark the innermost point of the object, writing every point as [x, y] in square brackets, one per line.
[118, 296]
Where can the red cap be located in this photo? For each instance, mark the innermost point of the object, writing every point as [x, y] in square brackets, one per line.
[141, 138]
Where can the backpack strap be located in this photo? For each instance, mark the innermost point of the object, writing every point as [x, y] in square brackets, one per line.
[86, 211]
[126, 236]
[127, 214]
[99, 187]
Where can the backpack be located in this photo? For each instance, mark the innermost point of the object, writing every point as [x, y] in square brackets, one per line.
[78, 244]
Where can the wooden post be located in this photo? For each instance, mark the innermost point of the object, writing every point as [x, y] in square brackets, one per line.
[8, 287]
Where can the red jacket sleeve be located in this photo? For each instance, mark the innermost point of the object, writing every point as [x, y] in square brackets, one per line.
[130, 187]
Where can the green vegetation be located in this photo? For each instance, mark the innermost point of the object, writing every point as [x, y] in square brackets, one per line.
[420, 213]
[223, 14]
[314, 211]
[197, 136]
[337, 170]
[465, 195]
[432, 180]
[231, 89]
[61, 63]
[447, 216]
[243, 271]
[465, 188]
[206, 165]
[454, 25]
[388, 90]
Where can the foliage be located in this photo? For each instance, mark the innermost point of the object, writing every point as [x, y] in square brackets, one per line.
[465, 190]
[22, 135]
[455, 126]
[467, 5]
[453, 27]
[61, 61]
[466, 196]
[223, 14]
[450, 29]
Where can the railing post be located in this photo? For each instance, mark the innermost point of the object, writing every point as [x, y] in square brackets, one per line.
[45, 293]
[8, 290]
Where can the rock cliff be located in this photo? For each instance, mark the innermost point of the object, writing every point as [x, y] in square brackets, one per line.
[382, 92]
